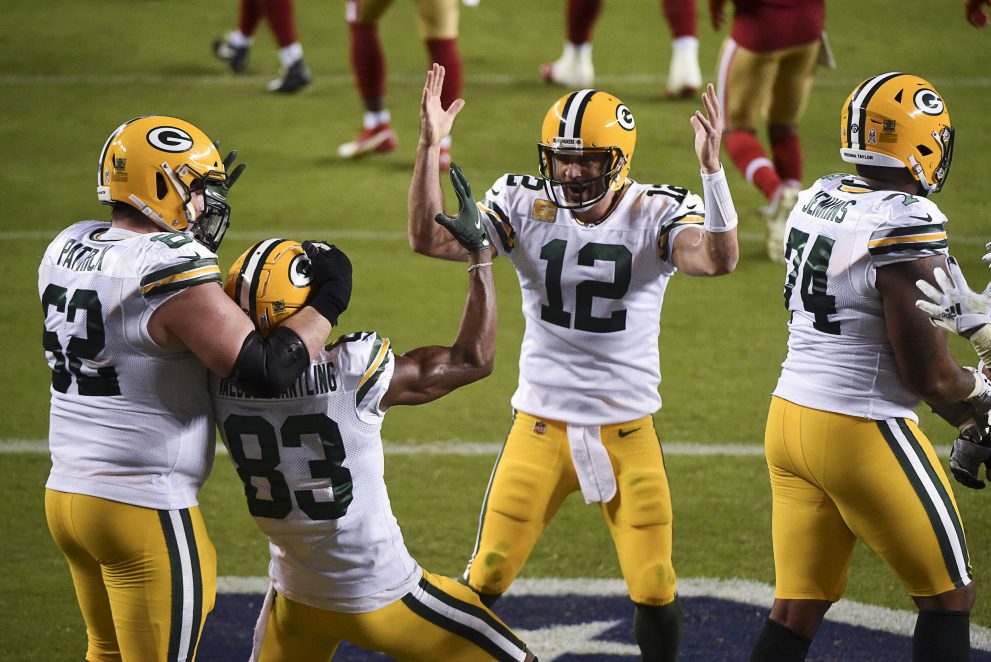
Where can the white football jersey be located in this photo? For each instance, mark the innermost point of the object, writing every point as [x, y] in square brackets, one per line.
[839, 233]
[312, 465]
[130, 421]
[591, 296]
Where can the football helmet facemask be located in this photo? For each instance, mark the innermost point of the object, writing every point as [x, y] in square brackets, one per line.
[270, 281]
[592, 133]
[153, 163]
[898, 120]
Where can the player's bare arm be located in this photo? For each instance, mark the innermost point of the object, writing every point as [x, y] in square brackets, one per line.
[924, 361]
[712, 251]
[425, 196]
[427, 373]
[208, 322]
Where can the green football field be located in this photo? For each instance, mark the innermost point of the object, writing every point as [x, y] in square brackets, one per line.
[73, 70]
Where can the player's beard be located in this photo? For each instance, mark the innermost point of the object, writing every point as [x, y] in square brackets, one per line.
[583, 194]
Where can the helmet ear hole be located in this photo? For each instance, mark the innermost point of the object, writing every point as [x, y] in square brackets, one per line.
[923, 150]
[161, 187]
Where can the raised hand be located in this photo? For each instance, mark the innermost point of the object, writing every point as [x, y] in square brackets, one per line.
[466, 227]
[708, 131]
[435, 122]
[951, 304]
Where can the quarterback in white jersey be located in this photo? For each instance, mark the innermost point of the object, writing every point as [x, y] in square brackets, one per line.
[133, 316]
[312, 464]
[593, 251]
[846, 457]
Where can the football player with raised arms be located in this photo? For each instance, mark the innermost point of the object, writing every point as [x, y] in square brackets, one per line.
[134, 315]
[594, 251]
[312, 463]
[846, 457]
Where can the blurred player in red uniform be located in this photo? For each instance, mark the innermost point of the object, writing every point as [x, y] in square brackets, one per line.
[766, 66]
[233, 48]
[976, 14]
[574, 68]
[437, 23]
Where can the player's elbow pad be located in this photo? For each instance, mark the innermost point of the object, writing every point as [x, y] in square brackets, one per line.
[266, 367]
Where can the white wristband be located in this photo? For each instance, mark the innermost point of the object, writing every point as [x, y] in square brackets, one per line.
[981, 340]
[720, 214]
[980, 397]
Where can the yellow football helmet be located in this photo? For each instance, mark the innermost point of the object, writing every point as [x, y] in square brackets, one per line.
[152, 162]
[898, 120]
[270, 281]
[590, 125]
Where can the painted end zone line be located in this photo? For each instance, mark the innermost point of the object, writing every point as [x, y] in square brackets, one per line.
[466, 448]
[847, 612]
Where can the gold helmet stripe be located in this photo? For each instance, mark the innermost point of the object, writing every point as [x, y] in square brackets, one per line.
[857, 112]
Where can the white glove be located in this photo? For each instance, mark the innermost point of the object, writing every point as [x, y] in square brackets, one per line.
[987, 256]
[953, 305]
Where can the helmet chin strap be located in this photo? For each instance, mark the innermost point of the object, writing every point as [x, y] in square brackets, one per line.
[920, 174]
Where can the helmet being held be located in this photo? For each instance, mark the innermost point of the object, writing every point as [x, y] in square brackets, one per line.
[589, 127]
[152, 163]
[898, 120]
[270, 281]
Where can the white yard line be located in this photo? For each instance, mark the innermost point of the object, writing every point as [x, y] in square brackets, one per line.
[469, 448]
[849, 612]
[325, 80]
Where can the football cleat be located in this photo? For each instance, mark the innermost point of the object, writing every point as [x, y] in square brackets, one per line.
[684, 77]
[776, 214]
[293, 79]
[444, 161]
[897, 120]
[270, 282]
[379, 139]
[569, 70]
[236, 57]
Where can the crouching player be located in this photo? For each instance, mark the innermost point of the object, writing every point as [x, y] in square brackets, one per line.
[312, 465]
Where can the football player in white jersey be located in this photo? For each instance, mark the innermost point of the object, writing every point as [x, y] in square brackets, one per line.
[134, 314]
[846, 457]
[312, 465]
[594, 251]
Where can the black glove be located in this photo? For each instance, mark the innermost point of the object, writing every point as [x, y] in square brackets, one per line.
[466, 226]
[330, 272]
[970, 450]
[209, 230]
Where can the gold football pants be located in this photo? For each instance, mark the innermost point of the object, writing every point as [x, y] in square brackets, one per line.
[774, 85]
[533, 475]
[145, 579]
[836, 478]
[439, 620]
[435, 19]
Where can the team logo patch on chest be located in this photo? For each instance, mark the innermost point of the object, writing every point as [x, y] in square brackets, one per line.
[544, 211]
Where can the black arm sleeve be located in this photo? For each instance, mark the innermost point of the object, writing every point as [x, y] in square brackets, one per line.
[266, 367]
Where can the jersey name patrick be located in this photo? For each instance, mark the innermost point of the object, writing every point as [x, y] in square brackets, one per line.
[79, 257]
[319, 379]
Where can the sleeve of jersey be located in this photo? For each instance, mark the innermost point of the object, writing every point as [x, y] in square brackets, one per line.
[494, 213]
[909, 237]
[687, 212]
[366, 361]
[170, 266]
